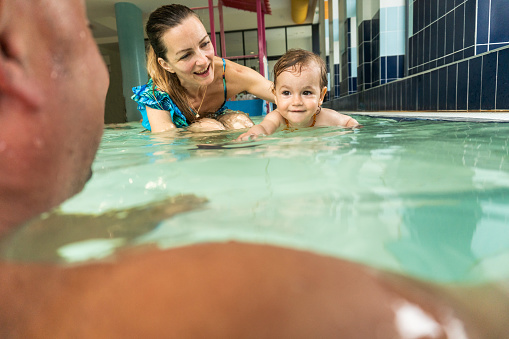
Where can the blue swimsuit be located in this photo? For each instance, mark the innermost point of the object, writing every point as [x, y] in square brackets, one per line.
[151, 96]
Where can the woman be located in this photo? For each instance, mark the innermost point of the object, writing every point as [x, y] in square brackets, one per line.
[189, 85]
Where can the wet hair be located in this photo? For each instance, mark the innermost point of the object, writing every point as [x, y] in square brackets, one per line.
[294, 59]
[160, 21]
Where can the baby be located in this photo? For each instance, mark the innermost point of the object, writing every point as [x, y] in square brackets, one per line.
[300, 84]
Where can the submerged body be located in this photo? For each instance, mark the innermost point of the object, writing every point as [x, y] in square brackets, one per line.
[235, 291]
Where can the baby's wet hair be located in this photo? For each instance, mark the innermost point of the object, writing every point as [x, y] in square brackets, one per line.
[295, 59]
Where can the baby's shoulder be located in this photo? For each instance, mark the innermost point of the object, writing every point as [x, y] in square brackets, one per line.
[330, 117]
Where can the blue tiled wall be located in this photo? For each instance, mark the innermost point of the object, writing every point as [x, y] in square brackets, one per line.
[456, 60]
[368, 71]
[348, 65]
[480, 83]
[443, 32]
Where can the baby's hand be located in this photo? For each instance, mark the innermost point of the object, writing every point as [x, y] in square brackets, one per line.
[246, 136]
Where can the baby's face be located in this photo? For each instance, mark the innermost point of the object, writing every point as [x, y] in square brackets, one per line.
[298, 94]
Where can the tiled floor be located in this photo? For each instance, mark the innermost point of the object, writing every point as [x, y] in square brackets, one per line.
[450, 116]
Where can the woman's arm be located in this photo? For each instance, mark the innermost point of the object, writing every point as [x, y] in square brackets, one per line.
[241, 78]
[160, 120]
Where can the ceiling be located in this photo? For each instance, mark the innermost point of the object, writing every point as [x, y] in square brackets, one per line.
[101, 14]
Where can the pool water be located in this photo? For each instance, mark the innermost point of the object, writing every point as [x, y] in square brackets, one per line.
[422, 197]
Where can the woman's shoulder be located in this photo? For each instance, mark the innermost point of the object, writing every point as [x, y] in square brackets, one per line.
[148, 93]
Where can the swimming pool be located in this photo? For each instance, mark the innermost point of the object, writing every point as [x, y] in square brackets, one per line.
[422, 197]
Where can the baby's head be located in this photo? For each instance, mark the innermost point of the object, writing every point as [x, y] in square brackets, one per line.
[293, 61]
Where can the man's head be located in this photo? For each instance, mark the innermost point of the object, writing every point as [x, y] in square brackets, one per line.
[53, 85]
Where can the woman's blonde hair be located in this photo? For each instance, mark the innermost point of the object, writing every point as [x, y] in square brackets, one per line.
[159, 22]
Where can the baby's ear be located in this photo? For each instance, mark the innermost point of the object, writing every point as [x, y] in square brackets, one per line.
[322, 94]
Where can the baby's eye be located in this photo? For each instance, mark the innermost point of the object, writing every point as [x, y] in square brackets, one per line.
[307, 93]
[285, 93]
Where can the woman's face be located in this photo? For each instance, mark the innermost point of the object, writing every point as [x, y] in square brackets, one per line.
[190, 53]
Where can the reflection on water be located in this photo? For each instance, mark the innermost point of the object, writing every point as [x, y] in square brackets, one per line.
[426, 198]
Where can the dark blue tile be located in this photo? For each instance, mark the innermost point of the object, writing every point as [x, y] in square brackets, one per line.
[414, 51]
[442, 89]
[375, 48]
[481, 49]
[367, 30]
[415, 23]
[420, 92]
[419, 48]
[392, 67]
[470, 13]
[401, 66]
[503, 79]
[489, 81]
[467, 53]
[474, 84]
[434, 10]
[383, 68]
[441, 37]
[426, 45]
[427, 12]
[413, 93]
[375, 71]
[367, 72]
[349, 40]
[459, 27]
[483, 21]
[433, 97]
[458, 56]
[449, 59]
[367, 52]
[441, 8]
[498, 21]
[434, 41]
[426, 91]
[462, 87]
[492, 47]
[440, 62]
[449, 5]
[420, 13]
[451, 87]
[449, 33]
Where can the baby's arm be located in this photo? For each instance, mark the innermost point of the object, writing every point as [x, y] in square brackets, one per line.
[269, 125]
[330, 117]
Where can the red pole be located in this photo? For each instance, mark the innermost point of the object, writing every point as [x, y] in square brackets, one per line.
[221, 28]
[212, 28]
[261, 29]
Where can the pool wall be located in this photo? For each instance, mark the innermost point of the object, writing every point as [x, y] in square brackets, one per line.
[454, 58]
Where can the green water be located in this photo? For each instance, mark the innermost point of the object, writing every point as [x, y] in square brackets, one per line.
[426, 198]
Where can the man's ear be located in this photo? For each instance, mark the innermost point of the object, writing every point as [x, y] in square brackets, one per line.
[322, 95]
[165, 65]
[14, 79]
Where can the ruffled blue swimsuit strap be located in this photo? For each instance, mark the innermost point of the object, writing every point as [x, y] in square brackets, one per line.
[224, 82]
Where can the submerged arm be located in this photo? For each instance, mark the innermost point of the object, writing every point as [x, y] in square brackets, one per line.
[160, 120]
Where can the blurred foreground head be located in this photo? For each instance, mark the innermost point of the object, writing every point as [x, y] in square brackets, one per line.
[53, 85]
